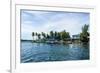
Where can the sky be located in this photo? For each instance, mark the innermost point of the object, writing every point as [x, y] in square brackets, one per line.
[46, 21]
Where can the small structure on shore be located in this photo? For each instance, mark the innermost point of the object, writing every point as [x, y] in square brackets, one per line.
[76, 38]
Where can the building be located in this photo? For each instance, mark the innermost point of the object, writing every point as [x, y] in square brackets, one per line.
[76, 36]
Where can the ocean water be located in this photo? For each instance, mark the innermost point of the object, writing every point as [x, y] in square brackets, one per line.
[42, 52]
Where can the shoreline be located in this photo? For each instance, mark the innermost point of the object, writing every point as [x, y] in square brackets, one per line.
[56, 42]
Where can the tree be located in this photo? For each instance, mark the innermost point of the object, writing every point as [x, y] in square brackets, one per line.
[36, 35]
[65, 35]
[58, 36]
[39, 36]
[48, 36]
[55, 35]
[33, 34]
[43, 34]
[84, 36]
[51, 34]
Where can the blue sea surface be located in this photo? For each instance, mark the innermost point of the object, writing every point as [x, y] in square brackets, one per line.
[43, 52]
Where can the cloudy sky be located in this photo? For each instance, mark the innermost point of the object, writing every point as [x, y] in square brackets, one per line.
[45, 21]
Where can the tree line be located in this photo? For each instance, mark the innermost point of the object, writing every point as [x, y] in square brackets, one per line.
[63, 35]
[54, 35]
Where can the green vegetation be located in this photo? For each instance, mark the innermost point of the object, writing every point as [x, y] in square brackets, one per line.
[51, 36]
[63, 36]
[84, 36]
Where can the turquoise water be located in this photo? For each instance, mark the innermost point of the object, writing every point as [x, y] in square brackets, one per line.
[42, 52]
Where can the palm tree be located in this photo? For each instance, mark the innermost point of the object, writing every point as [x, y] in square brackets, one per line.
[55, 35]
[36, 35]
[51, 34]
[33, 34]
[43, 34]
[39, 36]
[85, 28]
[58, 36]
[84, 36]
[48, 37]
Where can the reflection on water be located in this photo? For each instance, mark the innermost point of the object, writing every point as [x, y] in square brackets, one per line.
[42, 52]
